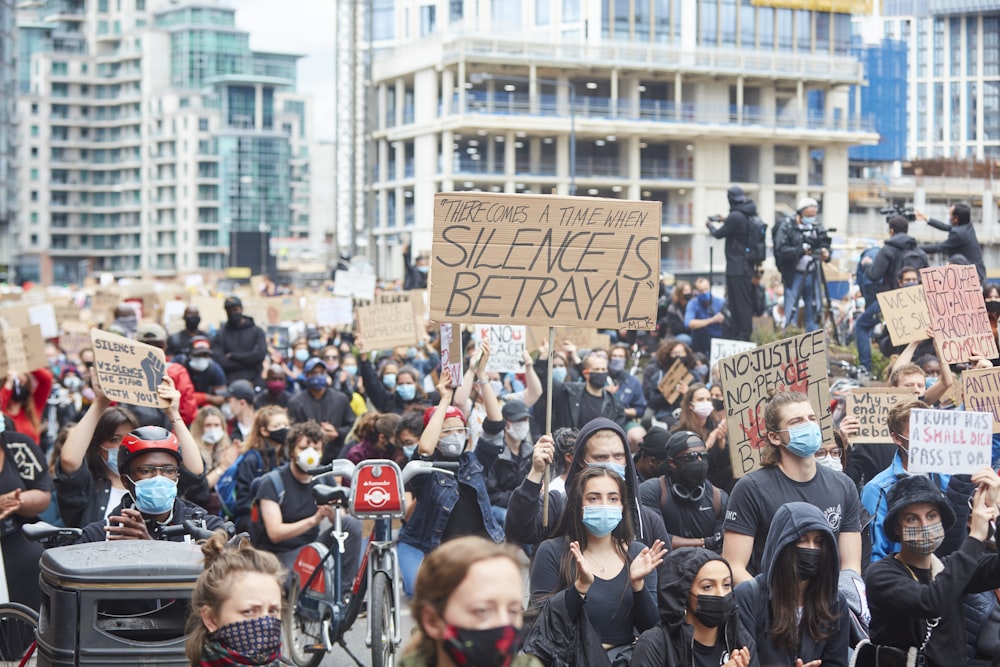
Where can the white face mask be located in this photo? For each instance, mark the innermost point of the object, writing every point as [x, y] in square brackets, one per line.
[199, 364]
[518, 431]
[702, 408]
[831, 462]
[308, 458]
[212, 436]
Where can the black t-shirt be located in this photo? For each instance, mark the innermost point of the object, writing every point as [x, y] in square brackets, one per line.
[710, 656]
[297, 504]
[590, 407]
[685, 518]
[465, 518]
[758, 496]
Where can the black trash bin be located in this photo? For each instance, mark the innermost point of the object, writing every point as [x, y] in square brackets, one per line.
[116, 603]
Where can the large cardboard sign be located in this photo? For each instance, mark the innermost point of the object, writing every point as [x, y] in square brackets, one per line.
[334, 312]
[982, 392]
[507, 346]
[563, 261]
[417, 299]
[793, 364]
[584, 338]
[958, 313]
[950, 441]
[128, 371]
[675, 375]
[75, 337]
[451, 352]
[723, 347]
[385, 325]
[871, 407]
[22, 350]
[905, 313]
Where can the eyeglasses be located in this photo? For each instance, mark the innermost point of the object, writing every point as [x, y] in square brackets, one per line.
[331, 357]
[823, 453]
[691, 457]
[143, 472]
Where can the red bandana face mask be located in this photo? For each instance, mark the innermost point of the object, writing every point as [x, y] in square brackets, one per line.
[494, 647]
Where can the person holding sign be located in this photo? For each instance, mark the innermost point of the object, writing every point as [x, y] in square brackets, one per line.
[789, 474]
[664, 401]
[916, 598]
[23, 398]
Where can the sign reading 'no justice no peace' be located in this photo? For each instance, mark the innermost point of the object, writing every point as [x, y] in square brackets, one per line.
[540, 259]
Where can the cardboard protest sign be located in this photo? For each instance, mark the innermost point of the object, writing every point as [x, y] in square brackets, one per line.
[951, 442]
[75, 337]
[385, 325]
[451, 352]
[675, 375]
[584, 338]
[417, 300]
[355, 283]
[334, 312]
[286, 308]
[905, 313]
[22, 350]
[565, 261]
[982, 392]
[722, 348]
[211, 310]
[127, 370]
[507, 346]
[871, 407]
[793, 364]
[66, 312]
[958, 313]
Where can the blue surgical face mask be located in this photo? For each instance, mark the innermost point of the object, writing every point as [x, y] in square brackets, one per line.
[805, 439]
[705, 299]
[930, 381]
[423, 269]
[600, 520]
[809, 221]
[301, 354]
[408, 450]
[316, 382]
[559, 374]
[155, 495]
[389, 380]
[351, 370]
[407, 392]
[112, 460]
[411, 353]
[613, 467]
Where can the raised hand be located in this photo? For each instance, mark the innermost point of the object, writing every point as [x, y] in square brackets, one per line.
[444, 387]
[645, 562]
[484, 357]
[739, 658]
[584, 577]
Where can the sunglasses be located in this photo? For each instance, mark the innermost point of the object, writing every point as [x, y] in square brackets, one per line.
[691, 457]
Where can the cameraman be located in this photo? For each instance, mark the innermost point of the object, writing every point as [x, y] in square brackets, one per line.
[796, 246]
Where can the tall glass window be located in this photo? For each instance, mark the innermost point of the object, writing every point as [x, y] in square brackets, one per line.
[972, 42]
[727, 22]
[621, 19]
[955, 45]
[428, 19]
[991, 110]
[571, 10]
[382, 19]
[708, 23]
[938, 47]
[641, 22]
[822, 32]
[842, 34]
[748, 29]
[765, 27]
[661, 21]
[938, 134]
[971, 107]
[543, 12]
[922, 28]
[956, 107]
[991, 46]
[803, 29]
[456, 10]
[506, 12]
[921, 111]
[785, 30]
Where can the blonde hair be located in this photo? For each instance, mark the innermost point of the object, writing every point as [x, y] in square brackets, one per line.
[215, 584]
[209, 452]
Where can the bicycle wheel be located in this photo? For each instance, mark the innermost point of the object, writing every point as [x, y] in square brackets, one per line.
[383, 623]
[301, 631]
[18, 625]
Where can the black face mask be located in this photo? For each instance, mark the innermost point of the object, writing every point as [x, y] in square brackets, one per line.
[597, 380]
[21, 392]
[278, 435]
[807, 562]
[718, 404]
[690, 474]
[234, 318]
[191, 323]
[714, 610]
[993, 306]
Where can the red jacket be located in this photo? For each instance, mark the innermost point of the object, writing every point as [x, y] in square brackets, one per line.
[182, 382]
[43, 387]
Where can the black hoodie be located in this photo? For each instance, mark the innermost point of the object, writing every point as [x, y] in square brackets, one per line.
[241, 349]
[736, 231]
[886, 262]
[671, 643]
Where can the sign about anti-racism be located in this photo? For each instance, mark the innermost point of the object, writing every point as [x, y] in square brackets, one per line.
[951, 442]
[451, 352]
[417, 300]
[793, 364]
[675, 376]
[562, 261]
[335, 311]
[128, 371]
[958, 313]
[905, 313]
[871, 408]
[385, 325]
[723, 347]
[982, 392]
[507, 346]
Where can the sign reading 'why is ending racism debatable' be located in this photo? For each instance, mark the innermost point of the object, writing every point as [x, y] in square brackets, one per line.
[541, 259]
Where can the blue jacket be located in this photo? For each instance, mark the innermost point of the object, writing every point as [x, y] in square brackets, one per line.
[437, 493]
[698, 311]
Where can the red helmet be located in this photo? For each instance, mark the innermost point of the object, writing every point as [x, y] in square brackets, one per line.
[144, 440]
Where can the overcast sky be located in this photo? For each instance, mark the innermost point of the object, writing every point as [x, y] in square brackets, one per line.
[304, 27]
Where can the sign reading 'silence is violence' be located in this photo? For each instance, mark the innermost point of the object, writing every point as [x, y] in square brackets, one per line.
[532, 259]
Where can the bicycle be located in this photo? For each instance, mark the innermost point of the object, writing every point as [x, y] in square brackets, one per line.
[317, 618]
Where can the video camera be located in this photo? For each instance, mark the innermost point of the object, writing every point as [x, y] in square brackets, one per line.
[819, 237]
[895, 209]
[715, 218]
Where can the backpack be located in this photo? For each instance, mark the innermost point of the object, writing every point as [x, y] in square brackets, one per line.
[255, 517]
[226, 486]
[869, 288]
[913, 258]
[756, 251]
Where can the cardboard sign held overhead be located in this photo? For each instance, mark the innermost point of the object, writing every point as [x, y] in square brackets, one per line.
[507, 345]
[951, 442]
[128, 371]
[386, 325]
[677, 374]
[722, 348]
[905, 313]
[562, 261]
[354, 283]
[75, 337]
[982, 392]
[22, 350]
[334, 312]
[958, 313]
[793, 364]
[871, 407]
[451, 352]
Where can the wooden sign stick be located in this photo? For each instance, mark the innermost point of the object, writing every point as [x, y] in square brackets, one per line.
[548, 430]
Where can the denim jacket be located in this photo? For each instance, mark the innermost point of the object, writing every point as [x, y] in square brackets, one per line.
[437, 493]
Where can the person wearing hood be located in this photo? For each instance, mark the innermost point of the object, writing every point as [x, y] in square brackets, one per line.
[961, 239]
[180, 343]
[793, 608]
[318, 402]
[789, 473]
[739, 271]
[452, 505]
[126, 320]
[240, 346]
[576, 403]
[699, 624]
[693, 510]
[915, 597]
[883, 271]
[594, 573]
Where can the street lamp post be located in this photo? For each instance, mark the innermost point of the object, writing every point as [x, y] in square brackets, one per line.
[480, 77]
